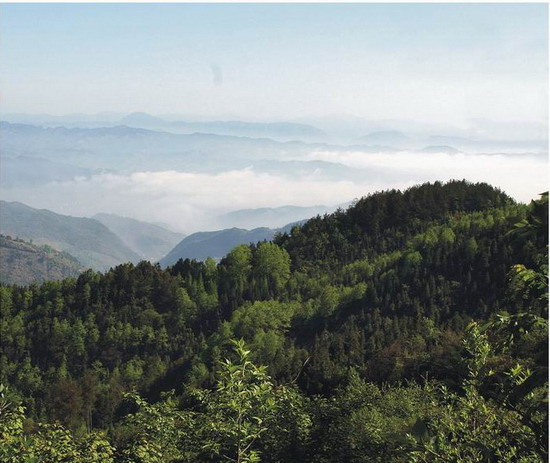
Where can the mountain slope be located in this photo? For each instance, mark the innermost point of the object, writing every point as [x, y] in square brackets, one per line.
[91, 242]
[29, 171]
[150, 241]
[23, 263]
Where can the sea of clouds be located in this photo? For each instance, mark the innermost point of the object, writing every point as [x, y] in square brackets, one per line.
[190, 202]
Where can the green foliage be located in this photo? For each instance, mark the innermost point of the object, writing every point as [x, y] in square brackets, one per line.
[470, 427]
[365, 422]
[272, 269]
[229, 423]
[235, 414]
[46, 443]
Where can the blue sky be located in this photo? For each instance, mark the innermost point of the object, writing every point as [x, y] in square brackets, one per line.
[425, 62]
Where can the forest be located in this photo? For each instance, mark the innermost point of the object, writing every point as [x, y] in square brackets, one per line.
[411, 327]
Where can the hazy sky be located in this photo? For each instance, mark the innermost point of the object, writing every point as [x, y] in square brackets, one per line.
[426, 62]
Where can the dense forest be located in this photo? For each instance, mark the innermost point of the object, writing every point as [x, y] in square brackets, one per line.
[411, 327]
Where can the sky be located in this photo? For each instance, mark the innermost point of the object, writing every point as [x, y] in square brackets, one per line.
[425, 62]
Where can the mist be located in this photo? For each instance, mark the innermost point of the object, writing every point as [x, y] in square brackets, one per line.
[190, 201]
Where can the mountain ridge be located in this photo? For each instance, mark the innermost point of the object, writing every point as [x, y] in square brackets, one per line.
[88, 240]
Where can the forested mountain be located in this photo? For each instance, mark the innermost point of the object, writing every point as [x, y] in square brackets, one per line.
[23, 263]
[341, 310]
[91, 242]
[149, 241]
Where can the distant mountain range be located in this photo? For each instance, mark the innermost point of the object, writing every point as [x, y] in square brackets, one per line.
[386, 137]
[88, 240]
[336, 128]
[217, 244]
[22, 171]
[481, 145]
[281, 131]
[131, 149]
[149, 241]
[125, 149]
[23, 263]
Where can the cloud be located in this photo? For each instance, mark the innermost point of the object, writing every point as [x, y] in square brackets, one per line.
[190, 201]
[186, 201]
[521, 176]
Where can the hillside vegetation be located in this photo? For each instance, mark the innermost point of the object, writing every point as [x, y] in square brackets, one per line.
[23, 263]
[410, 327]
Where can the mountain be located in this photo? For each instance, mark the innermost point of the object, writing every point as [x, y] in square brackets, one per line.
[91, 242]
[149, 241]
[23, 263]
[28, 171]
[281, 131]
[143, 120]
[488, 145]
[134, 149]
[128, 148]
[270, 216]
